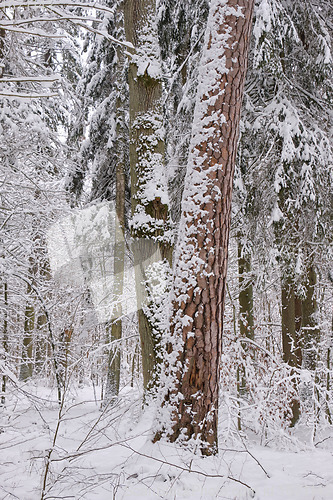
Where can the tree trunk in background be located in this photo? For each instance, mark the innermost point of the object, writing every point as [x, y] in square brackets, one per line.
[5, 340]
[246, 319]
[288, 321]
[27, 362]
[150, 211]
[310, 329]
[41, 345]
[115, 330]
[201, 259]
[298, 331]
[291, 321]
[328, 379]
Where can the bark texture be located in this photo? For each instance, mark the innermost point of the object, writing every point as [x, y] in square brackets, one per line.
[201, 258]
[150, 212]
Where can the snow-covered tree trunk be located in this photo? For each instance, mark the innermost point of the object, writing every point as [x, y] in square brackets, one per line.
[150, 204]
[201, 257]
[310, 330]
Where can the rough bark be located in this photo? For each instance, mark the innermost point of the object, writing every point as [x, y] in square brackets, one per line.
[201, 258]
[150, 213]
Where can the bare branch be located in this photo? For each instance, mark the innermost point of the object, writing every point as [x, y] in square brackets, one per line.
[26, 96]
[36, 32]
[53, 78]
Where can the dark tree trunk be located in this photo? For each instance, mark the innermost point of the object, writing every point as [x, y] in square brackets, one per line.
[246, 319]
[310, 330]
[291, 335]
[27, 362]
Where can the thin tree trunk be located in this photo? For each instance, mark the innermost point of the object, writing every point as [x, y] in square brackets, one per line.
[5, 340]
[288, 321]
[291, 318]
[150, 211]
[298, 331]
[246, 318]
[201, 259]
[328, 379]
[27, 364]
[310, 330]
[41, 344]
[114, 362]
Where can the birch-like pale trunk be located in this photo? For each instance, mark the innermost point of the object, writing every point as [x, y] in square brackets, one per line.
[201, 258]
[150, 203]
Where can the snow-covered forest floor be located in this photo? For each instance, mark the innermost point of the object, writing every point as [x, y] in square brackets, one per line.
[85, 452]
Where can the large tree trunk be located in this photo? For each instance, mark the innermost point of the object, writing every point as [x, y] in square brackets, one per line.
[150, 211]
[201, 258]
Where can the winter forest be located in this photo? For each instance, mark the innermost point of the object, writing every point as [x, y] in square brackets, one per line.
[166, 275]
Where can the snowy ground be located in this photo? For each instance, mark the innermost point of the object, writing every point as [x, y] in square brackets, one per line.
[108, 455]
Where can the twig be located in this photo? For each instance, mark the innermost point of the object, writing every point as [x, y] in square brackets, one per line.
[185, 469]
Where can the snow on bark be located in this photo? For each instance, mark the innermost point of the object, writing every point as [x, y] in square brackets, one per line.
[201, 256]
[151, 222]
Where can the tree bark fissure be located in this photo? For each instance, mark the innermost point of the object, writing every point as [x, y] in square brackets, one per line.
[200, 273]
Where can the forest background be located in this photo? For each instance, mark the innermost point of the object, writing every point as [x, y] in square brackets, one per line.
[100, 176]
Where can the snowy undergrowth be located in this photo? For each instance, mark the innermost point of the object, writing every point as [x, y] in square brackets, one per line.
[108, 454]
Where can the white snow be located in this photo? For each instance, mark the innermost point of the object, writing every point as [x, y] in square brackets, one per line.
[109, 454]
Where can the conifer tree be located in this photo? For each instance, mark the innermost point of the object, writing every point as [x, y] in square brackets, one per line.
[286, 156]
[201, 256]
